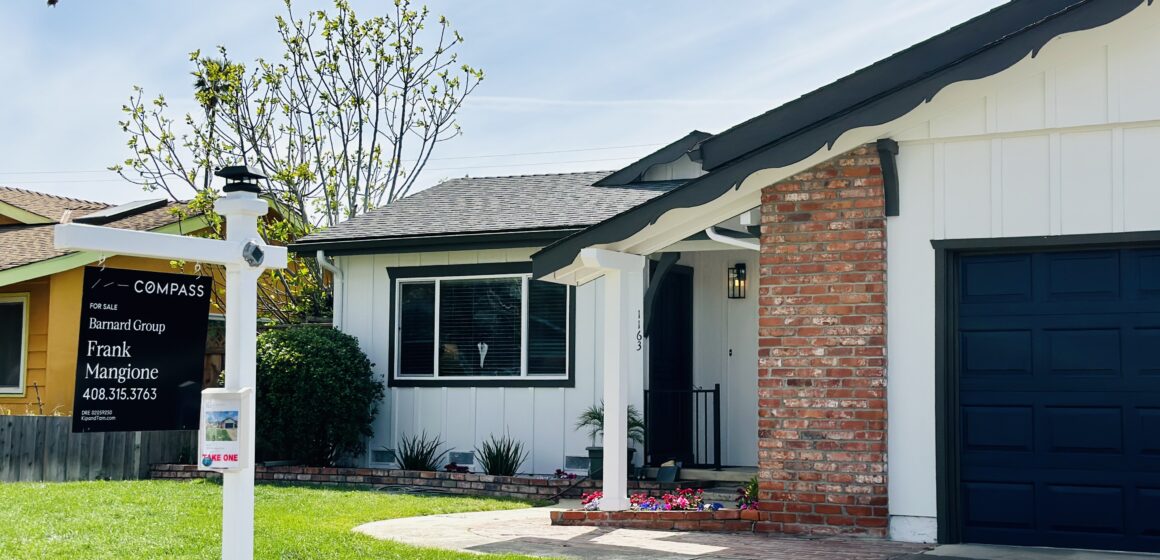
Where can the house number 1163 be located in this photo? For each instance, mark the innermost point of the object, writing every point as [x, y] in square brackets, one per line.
[639, 333]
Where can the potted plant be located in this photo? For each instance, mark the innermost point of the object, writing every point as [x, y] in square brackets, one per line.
[592, 419]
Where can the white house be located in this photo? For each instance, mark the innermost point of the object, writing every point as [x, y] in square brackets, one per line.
[958, 262]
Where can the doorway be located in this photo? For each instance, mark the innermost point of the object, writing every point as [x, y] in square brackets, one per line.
[669, 403]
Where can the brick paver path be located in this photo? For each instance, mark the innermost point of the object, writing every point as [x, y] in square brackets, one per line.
[528, 531]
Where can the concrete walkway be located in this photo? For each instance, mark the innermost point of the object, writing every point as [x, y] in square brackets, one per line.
[529, 532]
[992, 552]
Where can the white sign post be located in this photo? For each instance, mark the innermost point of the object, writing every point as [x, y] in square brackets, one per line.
[245, 256]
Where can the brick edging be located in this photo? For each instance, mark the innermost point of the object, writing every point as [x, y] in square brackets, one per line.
[468, 484]
[726, 520]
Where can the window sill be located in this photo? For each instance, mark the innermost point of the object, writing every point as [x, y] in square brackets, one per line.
[483, 382]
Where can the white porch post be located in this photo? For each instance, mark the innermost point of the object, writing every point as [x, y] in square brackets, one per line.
[623, 359]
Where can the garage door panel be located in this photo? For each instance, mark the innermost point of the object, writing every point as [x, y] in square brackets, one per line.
[1143, 278]
[1083, 276]
[996, 279]
[1148, 435]
[1003, 429]
[997, 353]
[1006, 505]
[1082, 352]
[1084, 509]
[1142, 351]
[1059, 398]
[1145, 520]
[1090, 429]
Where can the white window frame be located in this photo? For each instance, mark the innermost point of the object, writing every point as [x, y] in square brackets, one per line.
[525, 316]
[24, 298]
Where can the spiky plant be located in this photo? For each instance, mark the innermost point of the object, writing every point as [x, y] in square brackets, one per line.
[420, 452]
[501, 456]
[592, 419]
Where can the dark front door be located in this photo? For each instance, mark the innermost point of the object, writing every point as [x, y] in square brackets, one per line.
[1058, 359]
[670, 412]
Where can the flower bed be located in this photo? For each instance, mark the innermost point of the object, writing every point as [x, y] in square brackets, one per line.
[682, 499]
[731, 520]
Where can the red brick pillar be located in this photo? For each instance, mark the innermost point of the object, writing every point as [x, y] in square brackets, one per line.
[822, 350]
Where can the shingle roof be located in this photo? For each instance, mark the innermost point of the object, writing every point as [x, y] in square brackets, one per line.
[21, 245]
[48, 205]
[497, 204]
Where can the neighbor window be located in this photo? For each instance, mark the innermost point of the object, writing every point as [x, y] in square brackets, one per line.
[13, 342]
[482, 327]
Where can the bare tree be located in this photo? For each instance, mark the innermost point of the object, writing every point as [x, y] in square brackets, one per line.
[342, 123]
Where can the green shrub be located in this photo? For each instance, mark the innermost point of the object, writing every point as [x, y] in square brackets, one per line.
[419, 453]
[316, 395]
[502, 456]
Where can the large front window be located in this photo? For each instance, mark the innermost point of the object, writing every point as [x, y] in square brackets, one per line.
[481, 327]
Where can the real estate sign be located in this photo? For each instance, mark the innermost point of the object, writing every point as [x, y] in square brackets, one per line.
[141, 355]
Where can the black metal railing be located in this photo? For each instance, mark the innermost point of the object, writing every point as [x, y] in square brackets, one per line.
[685, 425]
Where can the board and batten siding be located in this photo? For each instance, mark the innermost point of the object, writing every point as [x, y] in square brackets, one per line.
[541, 417]
[1064, 143]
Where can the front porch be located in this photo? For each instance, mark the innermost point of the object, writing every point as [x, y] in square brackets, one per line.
[680, 345]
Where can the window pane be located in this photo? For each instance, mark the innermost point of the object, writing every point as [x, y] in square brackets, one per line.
[547, 328]
[479, 327]
[417, 329]
[11, 343]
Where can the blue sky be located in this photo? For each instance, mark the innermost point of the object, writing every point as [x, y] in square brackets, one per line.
[599, 82]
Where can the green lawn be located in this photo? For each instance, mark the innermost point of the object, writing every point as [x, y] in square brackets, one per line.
[161, 519]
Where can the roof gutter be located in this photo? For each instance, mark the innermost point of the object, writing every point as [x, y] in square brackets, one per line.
[722, 238]
[433, 243]
[337, 280]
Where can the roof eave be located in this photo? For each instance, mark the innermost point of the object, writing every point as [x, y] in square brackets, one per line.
[434, 243]
[785, 151]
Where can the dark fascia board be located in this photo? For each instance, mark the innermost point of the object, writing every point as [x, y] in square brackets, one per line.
[633, 172]
[901, 70]
[428, 243]
[826, 126]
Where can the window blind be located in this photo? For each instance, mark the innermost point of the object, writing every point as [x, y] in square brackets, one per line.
[547, 328]
[417, 329]
[480, 323]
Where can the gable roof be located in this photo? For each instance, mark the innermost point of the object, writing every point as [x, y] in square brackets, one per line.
[879, 93]
[523, 209]
[667, 154]
[32, 207]
[28, 244]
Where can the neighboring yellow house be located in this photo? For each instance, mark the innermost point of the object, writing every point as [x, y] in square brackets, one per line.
[40, 289]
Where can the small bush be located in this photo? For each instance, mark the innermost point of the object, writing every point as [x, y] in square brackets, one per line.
[502, 456]
[747, 496]
[419, 453]
[316, 395]
[592, 419]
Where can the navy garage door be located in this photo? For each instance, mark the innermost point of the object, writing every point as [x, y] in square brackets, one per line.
[1059, 394]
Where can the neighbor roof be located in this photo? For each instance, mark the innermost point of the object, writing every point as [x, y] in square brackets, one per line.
[27, 244]
[879, 93]
[49, 207]
[487, 207]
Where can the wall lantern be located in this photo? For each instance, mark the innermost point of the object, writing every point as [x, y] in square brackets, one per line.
[736, 281]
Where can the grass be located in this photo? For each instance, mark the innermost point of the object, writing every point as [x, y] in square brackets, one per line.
[182, 520]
